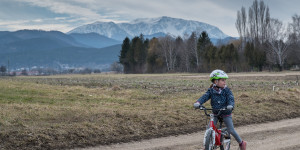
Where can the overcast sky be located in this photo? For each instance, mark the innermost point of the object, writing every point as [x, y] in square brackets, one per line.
[64, 15]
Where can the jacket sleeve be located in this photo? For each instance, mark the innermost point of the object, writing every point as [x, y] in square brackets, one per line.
[230, 98]
[205, 97]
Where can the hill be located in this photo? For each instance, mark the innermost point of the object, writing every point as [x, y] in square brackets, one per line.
[94, 40]
[28, 48]
[71, 56]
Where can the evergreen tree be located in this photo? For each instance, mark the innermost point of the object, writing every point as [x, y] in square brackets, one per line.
[123, 58]
[234, 57]
[210, 58]
[228, 56]
[155, 63]
[249, 48]
[142, 54]
[255, 57]
[137, 54]
[183, 56]
[132, 54]
[260, 58]
[192, 48]
[203, 42]
[203, 46]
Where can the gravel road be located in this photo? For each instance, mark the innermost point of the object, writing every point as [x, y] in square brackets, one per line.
[279, 135]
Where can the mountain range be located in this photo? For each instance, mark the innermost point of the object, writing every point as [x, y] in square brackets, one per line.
[150, 26]
[91, 45]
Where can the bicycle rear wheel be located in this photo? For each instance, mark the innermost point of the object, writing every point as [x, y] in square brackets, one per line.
[209, 143]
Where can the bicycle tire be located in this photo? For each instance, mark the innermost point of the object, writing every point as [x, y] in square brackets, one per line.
[209, 143]
[221, 147]
[227, 145]
[226, 140]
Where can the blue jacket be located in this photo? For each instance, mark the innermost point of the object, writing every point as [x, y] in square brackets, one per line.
[218, 99]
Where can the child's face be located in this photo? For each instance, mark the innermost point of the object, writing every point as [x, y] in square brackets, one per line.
[221, 83]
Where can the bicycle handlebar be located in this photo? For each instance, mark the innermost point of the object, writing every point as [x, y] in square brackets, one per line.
[205, 110]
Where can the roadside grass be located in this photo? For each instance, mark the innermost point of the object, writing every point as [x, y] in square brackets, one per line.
[67, 111]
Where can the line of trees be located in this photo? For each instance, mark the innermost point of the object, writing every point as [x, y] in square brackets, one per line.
[167, 54]
[134, 54]
[51, 71]
[265, 43]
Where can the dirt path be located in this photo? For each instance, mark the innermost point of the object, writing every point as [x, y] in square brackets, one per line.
[279, 135]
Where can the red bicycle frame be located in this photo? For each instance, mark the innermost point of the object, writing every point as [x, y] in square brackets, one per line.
[217, 131]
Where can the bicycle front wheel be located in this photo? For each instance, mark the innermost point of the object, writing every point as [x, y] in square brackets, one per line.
[209, 143]
[226, 144]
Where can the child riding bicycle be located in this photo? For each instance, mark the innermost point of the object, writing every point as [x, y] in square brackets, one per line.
[221, 96]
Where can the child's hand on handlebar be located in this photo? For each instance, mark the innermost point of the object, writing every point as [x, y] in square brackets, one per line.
[229, 107]
[197, 105]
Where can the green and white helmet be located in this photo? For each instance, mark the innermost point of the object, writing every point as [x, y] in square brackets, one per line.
[218, 74]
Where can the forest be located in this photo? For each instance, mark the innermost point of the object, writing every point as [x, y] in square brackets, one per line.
[264, 43]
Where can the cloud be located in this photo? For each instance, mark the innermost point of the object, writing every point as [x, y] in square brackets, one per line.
[78, 12]
[39, 24]
[219, 13]
[120, 10]
[37, 20]
[46, 27]
[64, 7]
[7, 23]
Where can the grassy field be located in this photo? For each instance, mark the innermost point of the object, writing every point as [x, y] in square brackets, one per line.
[67, 111]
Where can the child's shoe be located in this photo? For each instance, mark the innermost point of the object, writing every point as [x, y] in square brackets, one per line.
[243, 145]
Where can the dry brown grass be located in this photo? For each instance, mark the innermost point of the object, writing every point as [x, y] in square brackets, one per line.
[60, 112]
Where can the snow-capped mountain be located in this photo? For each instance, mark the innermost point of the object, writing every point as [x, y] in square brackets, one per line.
[150, 26]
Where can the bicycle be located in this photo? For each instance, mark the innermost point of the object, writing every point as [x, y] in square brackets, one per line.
[215, 137]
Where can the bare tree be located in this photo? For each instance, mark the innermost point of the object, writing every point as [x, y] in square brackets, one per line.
[244, 22]
[294, 38]
[255, 9]
[241, 25]
[264, 21]
[169, 51]
[184, 54]
[117, 67]
[255, 28]
[238, 24]
[294, 28]
[277, 43]
[251, 26]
